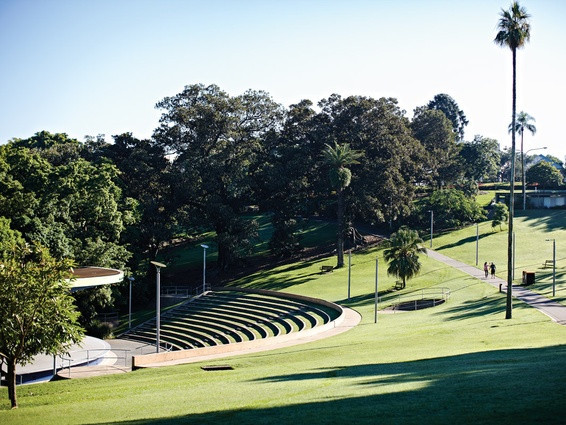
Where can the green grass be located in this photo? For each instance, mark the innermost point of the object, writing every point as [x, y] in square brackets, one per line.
[189, 255]
[531, 228]
[460, 362]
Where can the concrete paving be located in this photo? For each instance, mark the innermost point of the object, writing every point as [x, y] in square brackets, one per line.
[554, 310]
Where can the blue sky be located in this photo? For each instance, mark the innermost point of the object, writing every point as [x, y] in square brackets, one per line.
[99, 67]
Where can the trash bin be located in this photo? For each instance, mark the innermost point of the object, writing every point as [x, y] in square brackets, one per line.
[528, 277]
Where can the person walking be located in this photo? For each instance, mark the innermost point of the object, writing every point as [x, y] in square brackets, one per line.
[492, 268]
[485, 269]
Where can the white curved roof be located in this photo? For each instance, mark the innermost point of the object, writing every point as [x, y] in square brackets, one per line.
[87, 277]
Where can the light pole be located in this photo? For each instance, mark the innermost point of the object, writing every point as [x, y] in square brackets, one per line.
[553, 266]
[431, 225]
[349, 271]
[204, 247]
[158, 267]
[131, 279]
[477, 241]
[376, 291]
[523, 175]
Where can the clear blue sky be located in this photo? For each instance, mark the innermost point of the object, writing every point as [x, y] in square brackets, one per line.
[99, 67]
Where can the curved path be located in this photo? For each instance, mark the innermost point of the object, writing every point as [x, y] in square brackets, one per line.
[554, 310]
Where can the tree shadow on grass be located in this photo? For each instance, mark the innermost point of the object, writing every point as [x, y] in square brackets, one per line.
[500, 386]
[551, 220]
[463, 241]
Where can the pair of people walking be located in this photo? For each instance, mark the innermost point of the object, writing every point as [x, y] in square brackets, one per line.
[489, 268]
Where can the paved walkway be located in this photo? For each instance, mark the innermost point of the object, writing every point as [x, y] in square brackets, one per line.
[552, 309]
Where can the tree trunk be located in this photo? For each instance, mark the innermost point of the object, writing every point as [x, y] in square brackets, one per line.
[12, 383]
[509, 305]
[340, 233]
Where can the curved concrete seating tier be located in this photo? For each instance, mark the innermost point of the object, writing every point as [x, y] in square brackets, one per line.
[235, 315]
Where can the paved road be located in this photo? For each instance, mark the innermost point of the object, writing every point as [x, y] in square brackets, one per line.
[552, 309]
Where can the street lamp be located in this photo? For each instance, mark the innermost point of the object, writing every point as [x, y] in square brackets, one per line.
[131, 279]
[204, 247]
[553, 265]
[431, 225]
[523, 174]
[158, 267]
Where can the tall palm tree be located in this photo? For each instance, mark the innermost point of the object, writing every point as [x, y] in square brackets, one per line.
[339, 157]
[514, 31]
[403, 254]
[523, 122]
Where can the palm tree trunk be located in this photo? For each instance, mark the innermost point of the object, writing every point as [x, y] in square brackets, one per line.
[340, 232]
[523, 173]
[509, 305]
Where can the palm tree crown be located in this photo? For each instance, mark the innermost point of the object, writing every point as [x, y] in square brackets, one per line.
[522, 123]
[403, 254]
[514, 27]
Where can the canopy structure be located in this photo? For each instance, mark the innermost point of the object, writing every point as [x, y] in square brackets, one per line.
[88, 277]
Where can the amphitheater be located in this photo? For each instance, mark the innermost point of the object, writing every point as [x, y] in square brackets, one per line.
[235, 320]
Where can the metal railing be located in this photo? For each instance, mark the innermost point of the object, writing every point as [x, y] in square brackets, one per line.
[433, 294]
[90, 356]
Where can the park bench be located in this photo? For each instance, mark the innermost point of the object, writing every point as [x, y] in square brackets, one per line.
[398, 285]
[547, 263]
[326, 269]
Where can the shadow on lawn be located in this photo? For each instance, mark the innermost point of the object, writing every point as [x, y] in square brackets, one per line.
[280, 278]
[469, 239]
[501, 386]
[550, 219]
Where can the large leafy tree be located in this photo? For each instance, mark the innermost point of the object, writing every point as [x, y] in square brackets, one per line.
[545, 175]
[36, 308]
[288, 180]
[450, 108]
[432, 128]
[216, 140]
[480, 159]
[452, 208]
[523, 122]
[339, 158]
[383, 183]
[403, 254]
[514, 30]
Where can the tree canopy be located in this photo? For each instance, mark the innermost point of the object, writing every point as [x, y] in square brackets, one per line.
[36, 308]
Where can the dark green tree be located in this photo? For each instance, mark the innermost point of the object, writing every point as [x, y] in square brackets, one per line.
[217, 140]
[403, 254]
[446, 104]
[514, 30]
[36, 308]
[432, 128]
[545, 175]
[480, 159]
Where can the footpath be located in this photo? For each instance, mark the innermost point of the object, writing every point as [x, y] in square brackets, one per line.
[554, 310]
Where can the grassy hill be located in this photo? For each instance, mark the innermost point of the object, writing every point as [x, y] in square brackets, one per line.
[460, 362]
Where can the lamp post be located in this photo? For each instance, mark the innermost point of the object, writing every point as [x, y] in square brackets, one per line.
[349, 272]
[477, 241]
[523, 175]
[553, 266]
[376, 290]
[431, 225]
[204, 247]
[158, 267]
[131, 279]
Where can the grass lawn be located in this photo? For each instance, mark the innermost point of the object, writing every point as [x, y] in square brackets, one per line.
[532, 228]
[460, 362]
